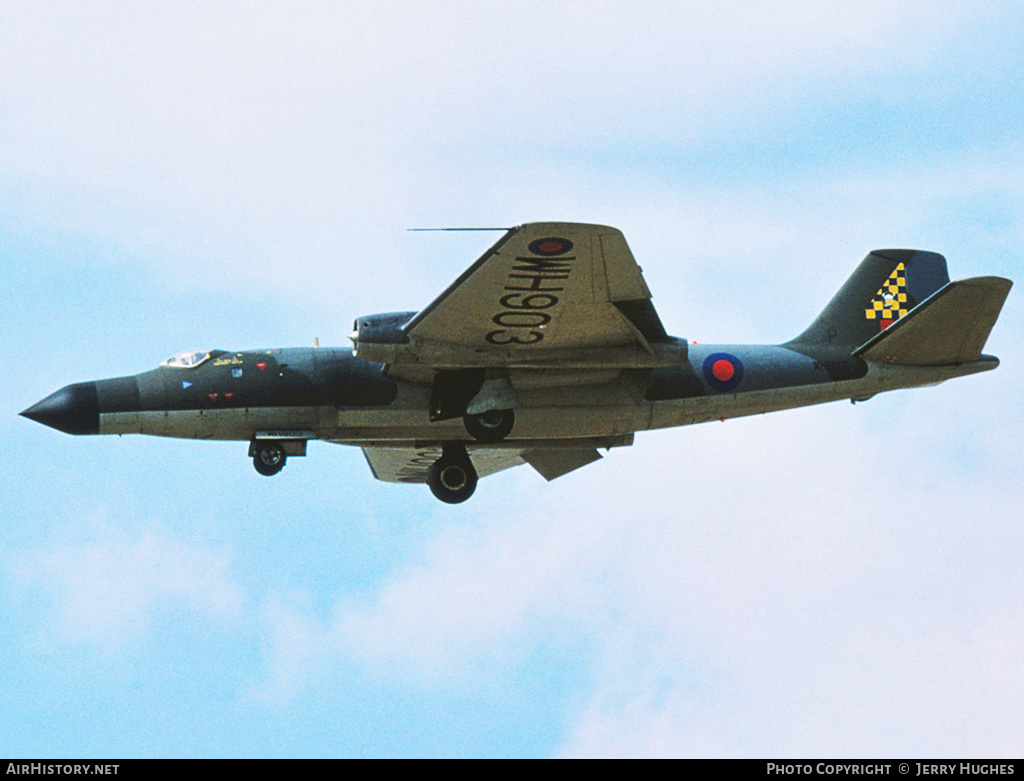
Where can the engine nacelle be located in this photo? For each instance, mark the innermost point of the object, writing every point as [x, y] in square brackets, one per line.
[380, 337]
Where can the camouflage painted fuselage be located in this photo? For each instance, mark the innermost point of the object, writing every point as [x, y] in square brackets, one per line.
[328, 394]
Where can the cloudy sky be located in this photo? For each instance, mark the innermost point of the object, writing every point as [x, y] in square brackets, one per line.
[832, 581]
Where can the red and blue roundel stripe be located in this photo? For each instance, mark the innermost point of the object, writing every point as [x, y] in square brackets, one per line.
[549, 246]
[723, 371]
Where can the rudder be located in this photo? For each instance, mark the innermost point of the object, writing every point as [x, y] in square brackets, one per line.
[887, 284]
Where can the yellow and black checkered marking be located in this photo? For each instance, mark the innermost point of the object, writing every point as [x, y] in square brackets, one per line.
[890, 302]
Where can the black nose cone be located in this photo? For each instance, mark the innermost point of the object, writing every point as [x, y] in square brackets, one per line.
[74, 409]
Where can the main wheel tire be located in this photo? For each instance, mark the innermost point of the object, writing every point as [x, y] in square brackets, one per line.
[490, 426]
[452, 480]
[269, 458]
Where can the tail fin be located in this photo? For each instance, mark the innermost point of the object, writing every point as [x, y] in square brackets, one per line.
[886, 285]
[950, 327]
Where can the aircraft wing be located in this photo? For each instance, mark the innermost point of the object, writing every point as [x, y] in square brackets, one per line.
[542, 287]
[410, 464]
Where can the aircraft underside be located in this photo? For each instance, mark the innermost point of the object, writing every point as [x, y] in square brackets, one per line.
[447, 452]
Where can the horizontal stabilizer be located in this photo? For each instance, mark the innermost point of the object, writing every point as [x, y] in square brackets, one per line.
[949, 327]
[552, 462]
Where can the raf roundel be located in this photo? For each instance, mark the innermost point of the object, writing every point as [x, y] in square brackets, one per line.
[550, 246]
[723, 371]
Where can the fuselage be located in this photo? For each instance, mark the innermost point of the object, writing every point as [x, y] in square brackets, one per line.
[328, 394]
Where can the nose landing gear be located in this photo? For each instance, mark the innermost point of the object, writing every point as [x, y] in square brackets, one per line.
[268, 458]
[269, 453]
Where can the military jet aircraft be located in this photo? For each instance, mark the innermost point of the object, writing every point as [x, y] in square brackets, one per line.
[545, 350]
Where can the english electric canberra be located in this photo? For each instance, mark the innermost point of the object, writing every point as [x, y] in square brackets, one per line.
[545, 350]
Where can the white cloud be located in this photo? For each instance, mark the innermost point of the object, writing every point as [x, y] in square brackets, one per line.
[823, 588]
[471, 602]
[809, 583]
[290, 144]
[109, 591]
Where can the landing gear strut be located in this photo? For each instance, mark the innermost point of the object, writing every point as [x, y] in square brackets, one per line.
[268, 457]
[452, 478]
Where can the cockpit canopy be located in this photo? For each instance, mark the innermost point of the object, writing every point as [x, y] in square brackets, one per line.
[189, 359]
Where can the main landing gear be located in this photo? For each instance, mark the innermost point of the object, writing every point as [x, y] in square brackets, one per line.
[453, 393]
[452, 478]
[490, 426]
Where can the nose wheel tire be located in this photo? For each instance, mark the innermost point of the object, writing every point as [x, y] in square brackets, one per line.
[269, 458]
[452, 478]
[490, 426]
